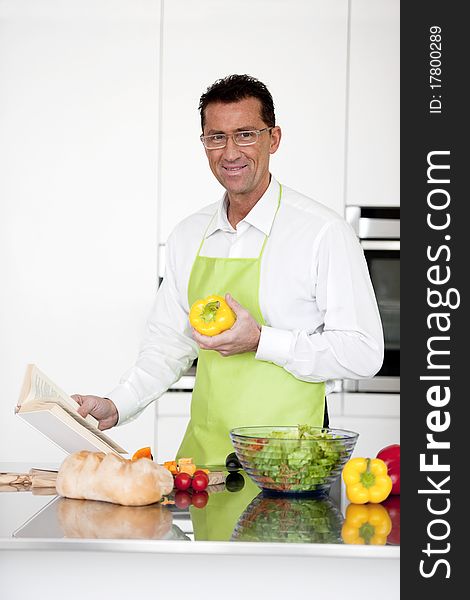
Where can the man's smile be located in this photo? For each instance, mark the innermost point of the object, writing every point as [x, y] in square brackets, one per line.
[234, 169]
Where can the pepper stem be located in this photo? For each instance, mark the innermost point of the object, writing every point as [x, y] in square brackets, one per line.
[366, 532]
[367, 478]
[209, 311]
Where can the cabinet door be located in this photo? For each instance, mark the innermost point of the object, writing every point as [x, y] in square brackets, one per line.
[373, 153]
[376, 417]
[172, 417]
[374, 433]
[298, 49]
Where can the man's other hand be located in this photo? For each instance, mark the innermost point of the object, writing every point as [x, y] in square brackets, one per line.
[102, 409]
[243, 336]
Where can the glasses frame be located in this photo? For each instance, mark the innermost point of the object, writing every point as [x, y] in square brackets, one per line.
[258, 132]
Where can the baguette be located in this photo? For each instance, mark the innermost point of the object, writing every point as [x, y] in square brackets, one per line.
[108, 477]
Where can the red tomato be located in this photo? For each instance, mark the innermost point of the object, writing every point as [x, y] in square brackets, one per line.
[182, 481]
[200, 499]
[182, 499]
[257, 445]
[203, 473]
[199, 482]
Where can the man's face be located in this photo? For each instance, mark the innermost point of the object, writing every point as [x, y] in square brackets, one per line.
[240, 169]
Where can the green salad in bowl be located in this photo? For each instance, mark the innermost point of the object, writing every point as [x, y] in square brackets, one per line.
[293, 459]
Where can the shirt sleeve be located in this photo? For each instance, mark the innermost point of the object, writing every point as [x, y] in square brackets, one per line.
[166, 352]
[349, 344]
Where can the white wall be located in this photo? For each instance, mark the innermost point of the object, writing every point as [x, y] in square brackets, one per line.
[78, 155]
[299, 49]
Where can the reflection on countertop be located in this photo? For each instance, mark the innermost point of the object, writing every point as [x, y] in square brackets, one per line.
[301, 520]
[232, 513]
[90, 519]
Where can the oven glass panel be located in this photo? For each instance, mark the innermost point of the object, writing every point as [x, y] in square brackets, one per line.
[384, 269]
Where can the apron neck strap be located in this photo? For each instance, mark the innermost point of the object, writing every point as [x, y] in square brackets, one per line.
[205, 233]
[265, 237]
[275, 215]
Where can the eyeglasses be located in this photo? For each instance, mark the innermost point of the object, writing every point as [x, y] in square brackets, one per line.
[241, 138]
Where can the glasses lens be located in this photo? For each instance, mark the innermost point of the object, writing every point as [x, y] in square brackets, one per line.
[241, 138]
[246, 138]
[215, 141]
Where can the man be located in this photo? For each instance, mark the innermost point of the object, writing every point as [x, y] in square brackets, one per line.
[292, 271]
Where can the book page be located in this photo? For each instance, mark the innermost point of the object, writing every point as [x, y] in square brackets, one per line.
[42, 389]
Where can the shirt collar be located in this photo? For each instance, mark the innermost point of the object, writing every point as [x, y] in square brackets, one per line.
[260, 216]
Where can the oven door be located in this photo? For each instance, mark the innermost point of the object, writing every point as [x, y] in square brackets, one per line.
[383, 259]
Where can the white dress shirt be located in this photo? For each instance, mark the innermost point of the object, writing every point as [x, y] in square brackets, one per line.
[315, 294]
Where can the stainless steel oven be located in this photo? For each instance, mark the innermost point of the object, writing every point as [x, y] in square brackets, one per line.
[378, 230]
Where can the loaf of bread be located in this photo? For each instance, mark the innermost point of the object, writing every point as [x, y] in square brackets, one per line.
[110, 478]
[102, 520]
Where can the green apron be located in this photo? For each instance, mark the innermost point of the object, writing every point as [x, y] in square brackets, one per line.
[239, 390]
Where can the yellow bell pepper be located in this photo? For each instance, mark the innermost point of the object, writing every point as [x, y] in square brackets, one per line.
[366, 524]
[366, 480]
[211, 315]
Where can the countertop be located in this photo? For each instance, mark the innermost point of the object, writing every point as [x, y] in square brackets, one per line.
[243, 522]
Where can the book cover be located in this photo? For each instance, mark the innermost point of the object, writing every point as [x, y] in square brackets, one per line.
[54, 414]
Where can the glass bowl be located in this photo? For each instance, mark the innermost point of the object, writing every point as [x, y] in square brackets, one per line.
[293, 459]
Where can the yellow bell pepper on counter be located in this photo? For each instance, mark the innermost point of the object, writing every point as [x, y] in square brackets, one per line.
[211, 316]
[366, 480]
[366, 524]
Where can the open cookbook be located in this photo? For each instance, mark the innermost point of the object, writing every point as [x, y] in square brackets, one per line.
[53, 413]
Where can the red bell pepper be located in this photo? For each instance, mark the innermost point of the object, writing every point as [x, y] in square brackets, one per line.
[392, 505]
[391, 457]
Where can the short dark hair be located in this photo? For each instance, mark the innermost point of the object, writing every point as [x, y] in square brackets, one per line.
[234, 88]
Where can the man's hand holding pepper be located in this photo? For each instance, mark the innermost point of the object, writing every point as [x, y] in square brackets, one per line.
[243, 336]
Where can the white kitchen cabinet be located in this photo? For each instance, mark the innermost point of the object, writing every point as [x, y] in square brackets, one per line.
[376, 417]
[172, 418]
[298, 49]
[373, 133]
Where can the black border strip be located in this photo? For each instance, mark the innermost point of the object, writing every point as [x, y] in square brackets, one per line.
[433, 249]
